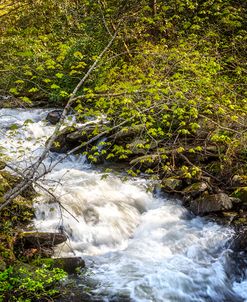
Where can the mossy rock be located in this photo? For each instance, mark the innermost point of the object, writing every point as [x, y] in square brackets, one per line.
[172, 184]
[241, 193]
[196, 189]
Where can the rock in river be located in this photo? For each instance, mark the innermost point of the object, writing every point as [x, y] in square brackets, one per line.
[211, 203]
[54, 116]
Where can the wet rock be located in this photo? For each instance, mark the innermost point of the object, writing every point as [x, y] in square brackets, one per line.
[40, 239]
[70, 264]
[172, 184]
[54, 116]
[196, 189]
[211, 203]
[240, 241]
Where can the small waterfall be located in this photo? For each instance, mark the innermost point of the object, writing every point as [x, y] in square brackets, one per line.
[138, 246]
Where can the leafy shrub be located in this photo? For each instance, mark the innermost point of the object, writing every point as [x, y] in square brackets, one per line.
[25, 284]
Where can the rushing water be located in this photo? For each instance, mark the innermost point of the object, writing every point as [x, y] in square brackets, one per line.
[139, 247]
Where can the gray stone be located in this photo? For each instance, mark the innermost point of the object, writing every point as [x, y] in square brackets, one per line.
[54, 116]
[211, 203]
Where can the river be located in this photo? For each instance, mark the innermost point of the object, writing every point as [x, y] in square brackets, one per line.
[138, 246]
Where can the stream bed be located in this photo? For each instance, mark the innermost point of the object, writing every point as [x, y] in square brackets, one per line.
[138, 246]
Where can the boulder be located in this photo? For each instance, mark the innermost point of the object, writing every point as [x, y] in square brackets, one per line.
[172, 184]
[211, 203]
[70, 264]
[196, 189]
[54, 116]
[41, 239]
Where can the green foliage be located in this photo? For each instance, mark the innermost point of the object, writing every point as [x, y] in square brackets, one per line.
[19, 284]
[177, 70]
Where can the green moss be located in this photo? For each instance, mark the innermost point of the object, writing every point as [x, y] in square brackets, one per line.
[241, 193]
